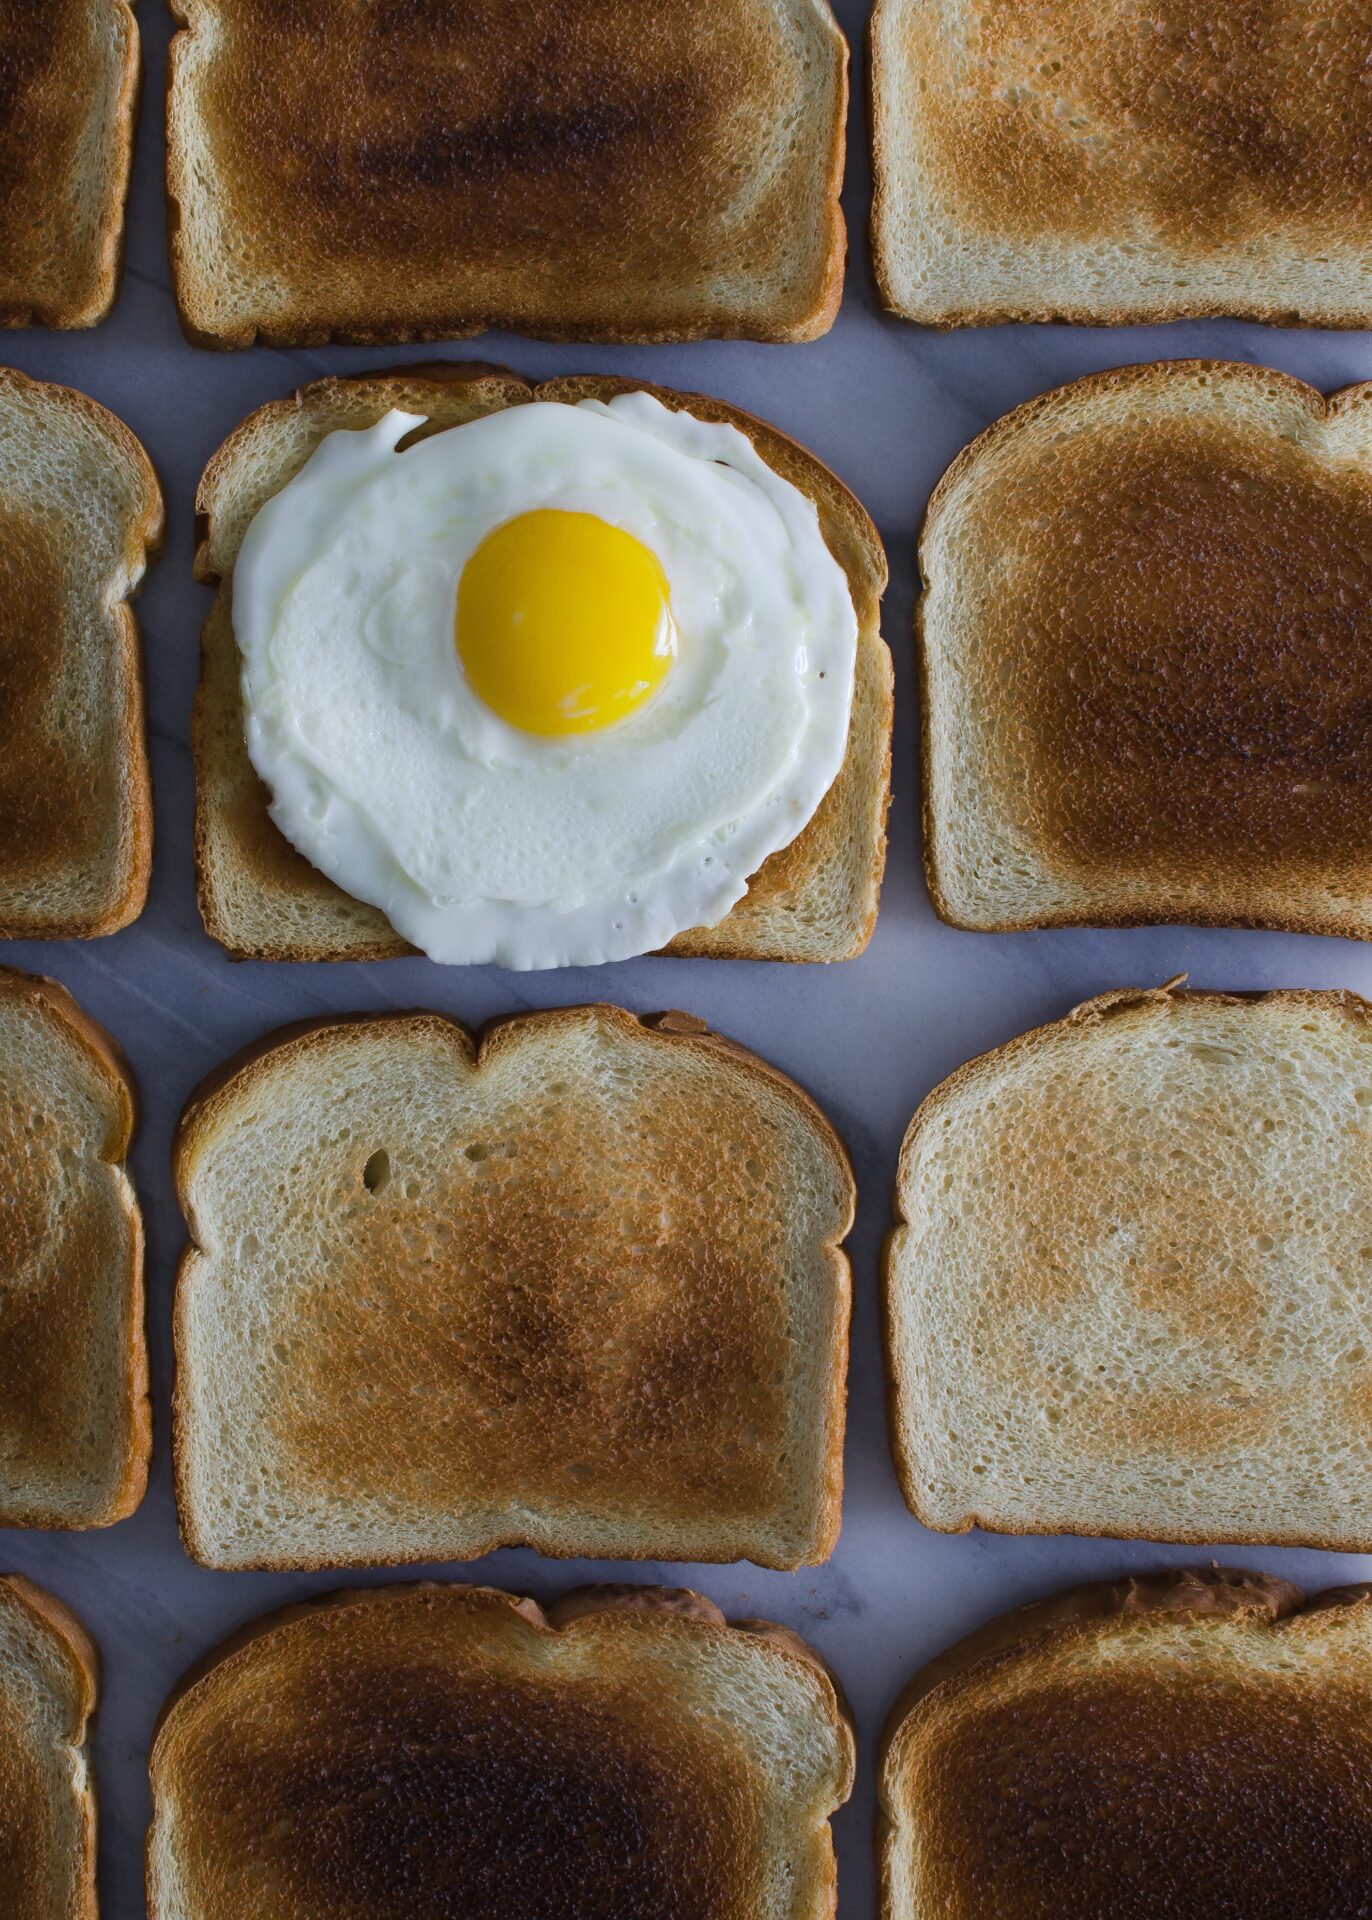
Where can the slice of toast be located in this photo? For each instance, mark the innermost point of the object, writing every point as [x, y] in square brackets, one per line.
[814, 900]
[576, 1286]
[1118, 163]
[620, 170]
[75, 1424]
[1144, 654]
[79, 509]
[49, 1674]
[68, 99]
[1130, 1287]
[1190, 1743]
[456, 1751]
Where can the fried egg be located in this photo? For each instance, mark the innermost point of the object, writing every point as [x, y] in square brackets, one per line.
[546, 688]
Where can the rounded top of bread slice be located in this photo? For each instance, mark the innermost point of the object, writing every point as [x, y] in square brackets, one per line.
[457, 1749]
[1188, 1742]
[48, 1680]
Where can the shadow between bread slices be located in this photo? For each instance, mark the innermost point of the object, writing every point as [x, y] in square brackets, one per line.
[1129, 1288]
[1156, 1744]
[814, 900]
[1143, 657]
[576, 1284]
[481, 1754]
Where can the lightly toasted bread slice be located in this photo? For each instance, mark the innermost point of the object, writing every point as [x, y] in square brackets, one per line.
[458, 1751]
[1195, 1743]
[815, 900]
[80, 509]
[621, 170]
[1145, 661]
[1129, 1291]
[49, 1675]
[1119, 164]
[68, 100]
[576, 1286]
[75, 1424]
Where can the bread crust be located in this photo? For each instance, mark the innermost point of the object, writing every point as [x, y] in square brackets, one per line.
[675, 1608]
[257, 1062]
[109, 1062]
[1309, 306]
[82, 1659]
[1026, 1046]
[790, 306]
[91, 262]
[1200, 1593]
[239, 850]
[1218, 909]
[122, 873]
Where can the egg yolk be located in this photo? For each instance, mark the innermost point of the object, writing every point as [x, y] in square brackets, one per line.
[564, 622]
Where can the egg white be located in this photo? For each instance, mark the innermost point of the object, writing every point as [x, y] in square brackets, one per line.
[481, 842]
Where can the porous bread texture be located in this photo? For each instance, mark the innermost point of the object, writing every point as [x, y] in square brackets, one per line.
[1129, 1291]
[1038, 160]
[1194, 1742]
[68, 100]
[75, 1424]
[629, 1743]
[1142, 657]
[48, 1678]
[80, 509]
[624, 170]
[578, 1287]
[815, 900]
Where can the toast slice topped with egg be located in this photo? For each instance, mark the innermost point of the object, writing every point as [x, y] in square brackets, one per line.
[1145, 662]
[814, 898]
[1129, 1289]
[462, 1753]
[1192, 1742]
[49, 1675]
[80, 509]
[618, 170]
[1116, 164]
[75, 1424]
[68, 98]
[576, 1285]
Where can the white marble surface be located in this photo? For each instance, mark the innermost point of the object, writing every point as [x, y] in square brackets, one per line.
[888, 406]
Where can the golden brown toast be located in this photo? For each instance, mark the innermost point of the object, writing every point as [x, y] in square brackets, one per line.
[1045, 160]
[75, 1424]
[80, 509]
[456, 1751]
[49, 1676]
[578, 1285]
[814, 900]
[1147, 681]
[68, 97]
[1190, 1743]
[1129, 1289]
[413, 170]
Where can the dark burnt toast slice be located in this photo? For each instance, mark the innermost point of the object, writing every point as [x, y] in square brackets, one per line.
[815, 900]
[80, 509]
[49, 1677]
[1114, 164]
[617, 170]
[75, 1424]
[1146, 663]
[577, 1286]
[456, 1751]
[68, 97]
[1189, 1743]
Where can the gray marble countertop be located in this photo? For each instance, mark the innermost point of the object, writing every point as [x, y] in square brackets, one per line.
[887, 405]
